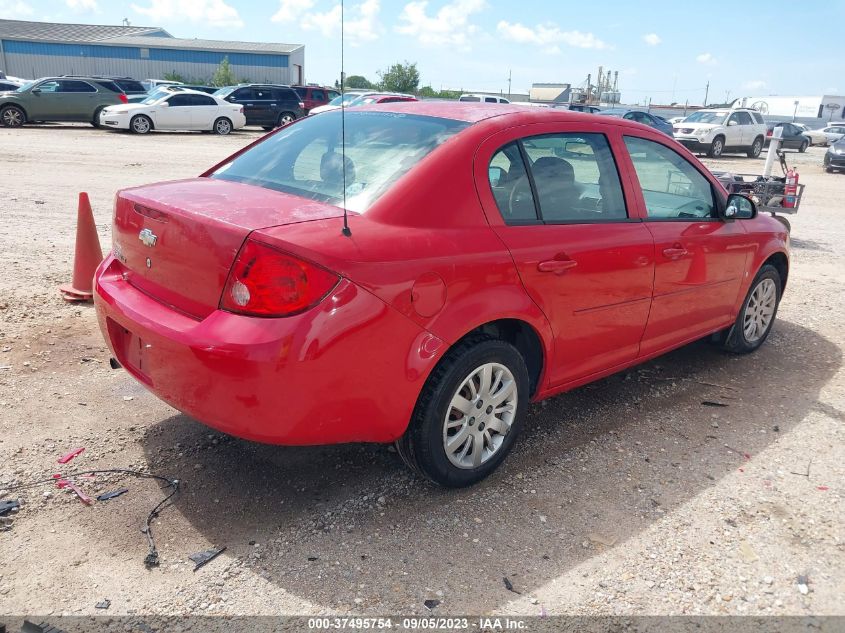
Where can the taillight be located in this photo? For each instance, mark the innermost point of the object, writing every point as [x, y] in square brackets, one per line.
[122, 98]
[269, 283]
[241, 109]
[768, 132]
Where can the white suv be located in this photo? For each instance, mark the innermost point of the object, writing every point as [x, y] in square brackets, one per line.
[715, 131]
[482, 98]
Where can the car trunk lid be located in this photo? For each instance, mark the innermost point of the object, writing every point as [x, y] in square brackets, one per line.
[178, 240]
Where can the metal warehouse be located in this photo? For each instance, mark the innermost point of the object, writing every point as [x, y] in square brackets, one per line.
[40, 49]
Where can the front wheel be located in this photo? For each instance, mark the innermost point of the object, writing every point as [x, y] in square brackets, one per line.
[12, 116]
[804, 146]
[716, 147]
[140, 124]
[756, 148]
[222, 126]
[96, 120]
[757, 315]
[469, 413]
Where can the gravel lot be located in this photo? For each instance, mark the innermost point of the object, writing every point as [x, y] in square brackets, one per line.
[627, 496]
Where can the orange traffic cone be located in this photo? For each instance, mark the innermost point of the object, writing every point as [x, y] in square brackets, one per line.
[88, 255]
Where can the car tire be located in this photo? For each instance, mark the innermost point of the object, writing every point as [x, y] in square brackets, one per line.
[222, 126]
[432, 444]
[804, 146]
[756, 148]
[757, 314]
[285, 118]
[716, 147]
[140, 124]
[267, 128]
[12, 116]
[96, 120]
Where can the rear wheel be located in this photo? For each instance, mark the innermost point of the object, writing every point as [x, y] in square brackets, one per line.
[222, 126]
[756, 148]
[285, 118]
[716, 147]
[804, 146]
[12, 116]
[140, 124]
[469, 413]
[757, 315]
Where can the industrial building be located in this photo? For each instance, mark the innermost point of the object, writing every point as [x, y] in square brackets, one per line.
[826, 107]
[40, 49]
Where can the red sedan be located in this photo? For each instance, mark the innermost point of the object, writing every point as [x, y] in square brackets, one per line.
[495, 255]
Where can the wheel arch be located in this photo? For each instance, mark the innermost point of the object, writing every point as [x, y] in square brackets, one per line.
[146, 116]
[19, 106]
[781, 263]
[524, 337]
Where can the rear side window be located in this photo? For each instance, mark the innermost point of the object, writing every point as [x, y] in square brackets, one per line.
[128, 85]
[758, 118]
[572, 178]
[110, 85]
[672, 187]
[202, 100]
[302, 92]
[285, 94]
[744, 118]
[473, 99]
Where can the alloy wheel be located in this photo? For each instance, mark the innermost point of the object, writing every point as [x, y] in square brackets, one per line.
[223, 126]
[480, 415]
[12, 117]
[759, 311]
[141, 125]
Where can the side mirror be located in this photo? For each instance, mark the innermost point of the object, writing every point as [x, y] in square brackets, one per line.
[495, 174]
[730, 123]
[164, 104]
[36, 91]
[739, 207]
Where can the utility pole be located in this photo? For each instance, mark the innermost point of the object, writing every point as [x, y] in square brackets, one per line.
[706, 92]
[510, 75]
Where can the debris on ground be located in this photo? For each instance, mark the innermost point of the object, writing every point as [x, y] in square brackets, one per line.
[509, 586]
[111, 495]
[206, 556]
[803, 584]
[105, 604]
[64, 459]
[31, 627]
[67, 483]
[713, 403]
[10, 505]
[431, 604]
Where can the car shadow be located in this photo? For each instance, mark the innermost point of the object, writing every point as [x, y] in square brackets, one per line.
[349, 527]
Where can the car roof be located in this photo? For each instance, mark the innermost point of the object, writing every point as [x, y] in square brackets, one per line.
[475, 112]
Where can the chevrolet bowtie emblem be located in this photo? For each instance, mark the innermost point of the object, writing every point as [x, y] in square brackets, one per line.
[147, 237]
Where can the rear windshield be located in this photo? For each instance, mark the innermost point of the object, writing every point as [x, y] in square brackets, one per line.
[306, 159]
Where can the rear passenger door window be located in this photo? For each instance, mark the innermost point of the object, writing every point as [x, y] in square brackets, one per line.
[672, 188]
[573, 178]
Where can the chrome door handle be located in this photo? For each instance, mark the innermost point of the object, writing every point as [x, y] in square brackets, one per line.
[675, 253]
[557, 266]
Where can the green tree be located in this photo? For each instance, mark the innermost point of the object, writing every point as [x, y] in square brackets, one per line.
[357, 82]
[223, 76]
[400, 77]
[174, 76]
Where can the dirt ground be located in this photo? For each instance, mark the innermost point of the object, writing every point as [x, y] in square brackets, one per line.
[628, 496]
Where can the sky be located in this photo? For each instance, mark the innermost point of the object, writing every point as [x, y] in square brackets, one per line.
[663, 52]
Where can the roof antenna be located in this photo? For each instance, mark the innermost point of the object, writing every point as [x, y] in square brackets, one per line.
[346, 231]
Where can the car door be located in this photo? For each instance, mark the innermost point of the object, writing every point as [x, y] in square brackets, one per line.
[746, 129]
[554, 196]
[77, 100]
[793, 136]
[44, 101]
[246, 98]
[176, 115]
[733, 131]
[203, 112]
[700, 259]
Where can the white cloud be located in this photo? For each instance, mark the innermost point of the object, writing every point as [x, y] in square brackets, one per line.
[360, 21]
[548, 36]
[291, 10]
[706, 58]
[756, 84]
[211, 12]
[81, 6]
[450, 26]
[12, 9]
[652, 39]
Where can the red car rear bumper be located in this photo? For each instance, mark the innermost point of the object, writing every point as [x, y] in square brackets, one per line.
[348, 370]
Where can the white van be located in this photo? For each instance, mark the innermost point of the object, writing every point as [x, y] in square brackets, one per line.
[477, 98]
